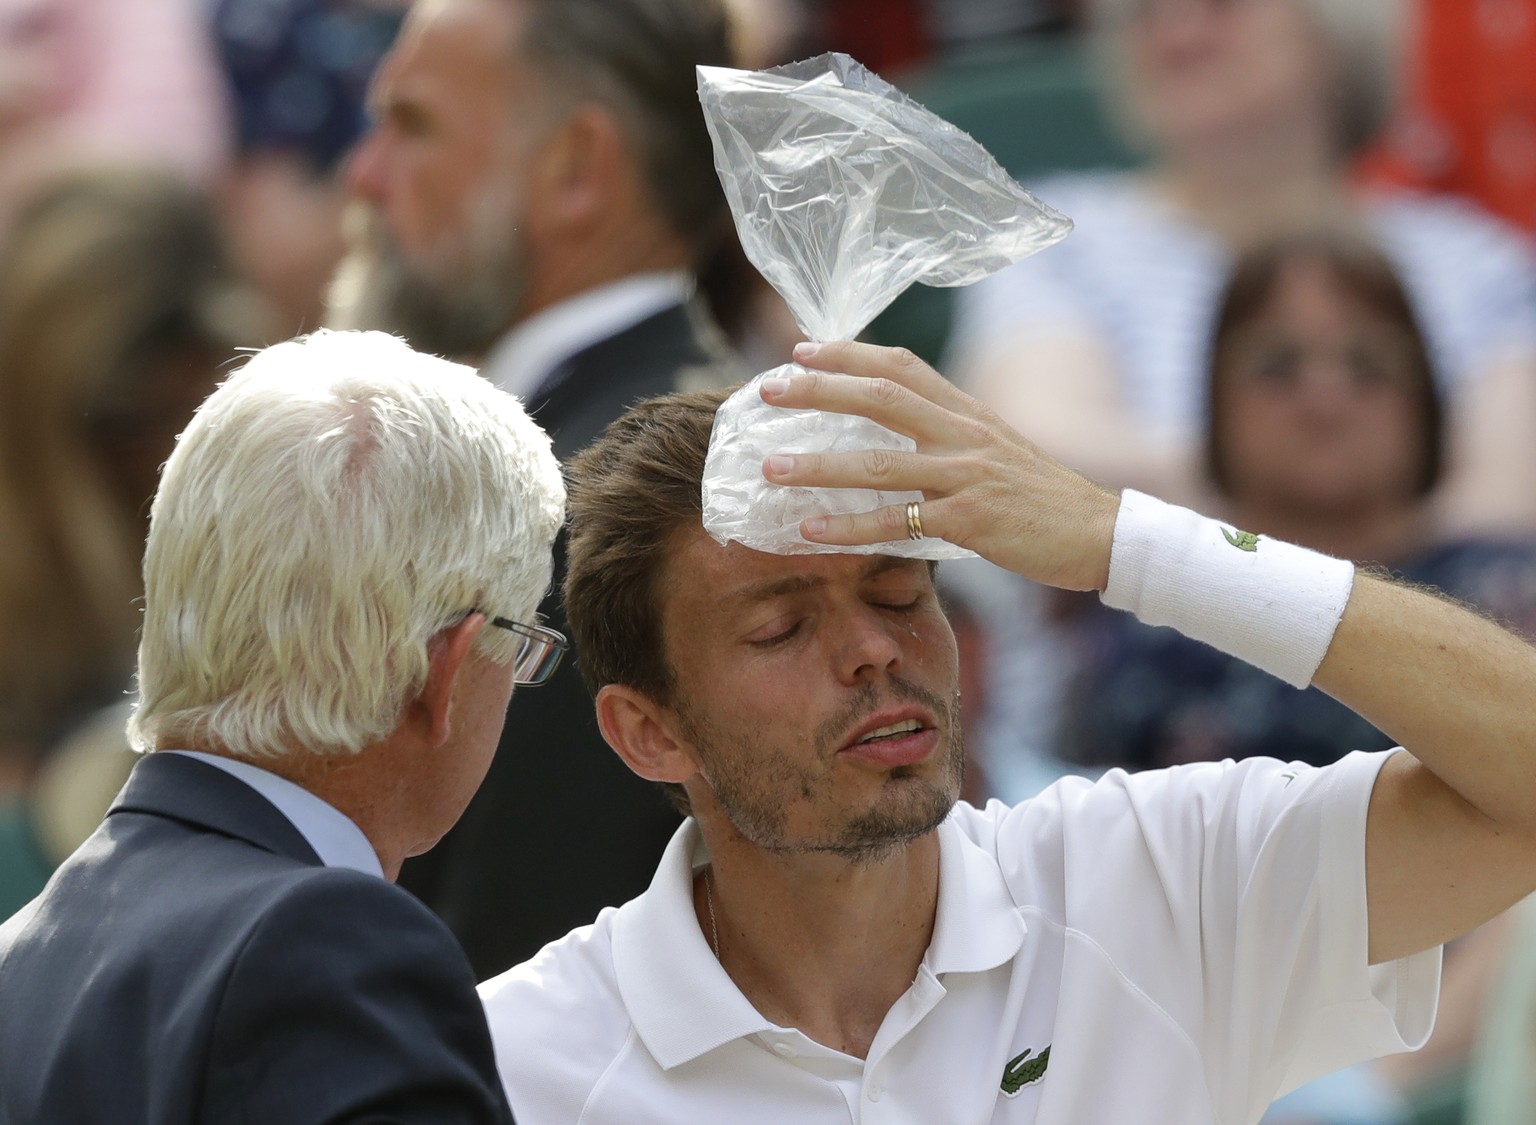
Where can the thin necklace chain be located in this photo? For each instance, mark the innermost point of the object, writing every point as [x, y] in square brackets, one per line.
[709, 901]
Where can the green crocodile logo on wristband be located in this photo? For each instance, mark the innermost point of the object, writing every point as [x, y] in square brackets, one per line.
[1242, 540]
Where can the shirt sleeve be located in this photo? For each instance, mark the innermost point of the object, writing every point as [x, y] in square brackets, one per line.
[1232, 895]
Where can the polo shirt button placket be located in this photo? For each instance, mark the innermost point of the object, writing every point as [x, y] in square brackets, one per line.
[783, 1050]
[874, 1091]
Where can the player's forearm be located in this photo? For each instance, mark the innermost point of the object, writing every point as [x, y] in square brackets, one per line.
[1451, 831]
[1453, 688]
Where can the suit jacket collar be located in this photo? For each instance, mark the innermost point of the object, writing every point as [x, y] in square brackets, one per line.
[530, 350]
[672, 340]
[206, 797]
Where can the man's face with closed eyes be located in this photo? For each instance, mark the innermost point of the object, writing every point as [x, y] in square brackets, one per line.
[818, 694]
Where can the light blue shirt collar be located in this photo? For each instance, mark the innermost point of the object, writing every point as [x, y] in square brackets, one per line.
[337, 840]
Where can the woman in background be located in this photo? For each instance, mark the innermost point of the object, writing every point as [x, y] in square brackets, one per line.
[1252, 112]
[1325, 428]
[117, 311]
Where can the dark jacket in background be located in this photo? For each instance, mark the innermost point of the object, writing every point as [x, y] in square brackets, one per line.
[562, 828]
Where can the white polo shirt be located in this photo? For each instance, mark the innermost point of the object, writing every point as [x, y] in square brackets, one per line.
[1167, 948]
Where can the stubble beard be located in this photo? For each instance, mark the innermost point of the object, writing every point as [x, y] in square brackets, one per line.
[458, 308]
[754, 785]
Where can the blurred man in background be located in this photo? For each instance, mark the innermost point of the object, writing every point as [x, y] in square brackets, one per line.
[536, 193]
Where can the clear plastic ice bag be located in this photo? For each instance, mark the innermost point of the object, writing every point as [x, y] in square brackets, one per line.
[844, 191]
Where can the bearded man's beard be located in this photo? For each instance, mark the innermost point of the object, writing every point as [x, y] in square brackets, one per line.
[458, 310]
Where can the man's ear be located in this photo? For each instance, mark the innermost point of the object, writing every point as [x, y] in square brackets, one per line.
[582, 162]
[641, 733]
[446, 653]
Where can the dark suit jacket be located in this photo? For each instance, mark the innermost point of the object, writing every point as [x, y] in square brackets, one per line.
[194, 962]
[561, 827]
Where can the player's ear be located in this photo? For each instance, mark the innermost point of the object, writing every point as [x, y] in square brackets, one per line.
[644, 735]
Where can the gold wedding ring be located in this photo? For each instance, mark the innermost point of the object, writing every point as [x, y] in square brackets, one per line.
[914, 521]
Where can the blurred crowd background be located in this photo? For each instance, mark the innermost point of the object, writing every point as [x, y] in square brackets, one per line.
[1301, 295]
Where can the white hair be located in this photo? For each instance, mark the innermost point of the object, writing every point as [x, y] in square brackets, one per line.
[1367, 37]
[334, 504]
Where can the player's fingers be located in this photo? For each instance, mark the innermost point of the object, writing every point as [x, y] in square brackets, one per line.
[883, 525]
[872, 361]
[882, 400]
[884, 469]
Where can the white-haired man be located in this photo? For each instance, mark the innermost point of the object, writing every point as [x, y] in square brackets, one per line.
[344, 557]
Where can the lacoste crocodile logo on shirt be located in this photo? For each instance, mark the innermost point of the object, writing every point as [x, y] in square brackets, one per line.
[1022, 1070]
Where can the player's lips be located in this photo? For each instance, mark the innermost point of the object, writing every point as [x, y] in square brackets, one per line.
[900, 737]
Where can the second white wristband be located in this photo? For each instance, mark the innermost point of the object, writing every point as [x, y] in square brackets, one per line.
[1270, 603]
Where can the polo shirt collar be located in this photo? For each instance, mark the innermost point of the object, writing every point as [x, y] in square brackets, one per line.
[978, 925]
[682, 1002]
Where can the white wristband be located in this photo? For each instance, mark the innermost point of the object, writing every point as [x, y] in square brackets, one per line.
[1270, 603]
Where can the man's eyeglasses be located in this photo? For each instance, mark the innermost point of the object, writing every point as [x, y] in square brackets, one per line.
[540, 652]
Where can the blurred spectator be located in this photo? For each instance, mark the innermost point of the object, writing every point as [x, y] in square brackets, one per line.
[1325, 429]
[1468, 124]
[88, 80]
[1252, 110]
[298, 74]
[539, 190]
[116, 309]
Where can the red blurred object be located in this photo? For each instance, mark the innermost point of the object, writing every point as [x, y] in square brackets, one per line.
[1469, 120]
[886, 36]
